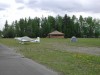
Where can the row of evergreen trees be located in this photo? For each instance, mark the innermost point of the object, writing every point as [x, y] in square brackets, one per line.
[70, 26]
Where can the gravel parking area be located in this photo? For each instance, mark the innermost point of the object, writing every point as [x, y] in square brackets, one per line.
[87, 50]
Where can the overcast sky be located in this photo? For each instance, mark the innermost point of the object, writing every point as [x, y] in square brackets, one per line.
[12, 10]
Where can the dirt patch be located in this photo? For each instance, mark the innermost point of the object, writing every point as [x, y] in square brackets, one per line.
[87, 50]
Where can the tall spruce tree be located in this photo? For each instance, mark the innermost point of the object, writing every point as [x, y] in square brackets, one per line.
[58, 23]
[67, 28]
[5, 30]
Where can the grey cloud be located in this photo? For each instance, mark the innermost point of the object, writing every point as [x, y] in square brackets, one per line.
[33, 1]
[33, 4]
[23, 1]
[20, 8]
[3, 6]
[65, 5]
[19, 1]
[2, 9]
[55, 5]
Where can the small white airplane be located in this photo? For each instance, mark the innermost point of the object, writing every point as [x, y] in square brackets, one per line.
[24, 39]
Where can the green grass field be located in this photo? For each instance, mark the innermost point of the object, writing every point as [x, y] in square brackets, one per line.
[49, 53]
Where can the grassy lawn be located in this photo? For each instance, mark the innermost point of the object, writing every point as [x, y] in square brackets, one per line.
[49, 53]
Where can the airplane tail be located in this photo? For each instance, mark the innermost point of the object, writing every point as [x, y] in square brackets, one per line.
[36, 40]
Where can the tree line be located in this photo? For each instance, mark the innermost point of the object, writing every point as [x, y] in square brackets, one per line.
[70, 26]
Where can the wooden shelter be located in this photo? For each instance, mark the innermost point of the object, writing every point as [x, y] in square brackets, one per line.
[56, 34]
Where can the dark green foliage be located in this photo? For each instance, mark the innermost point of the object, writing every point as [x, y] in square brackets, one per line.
[58, 23]
[68, 27]
[9, 31]
[0, 33]
[40, 27]
[45, 28]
